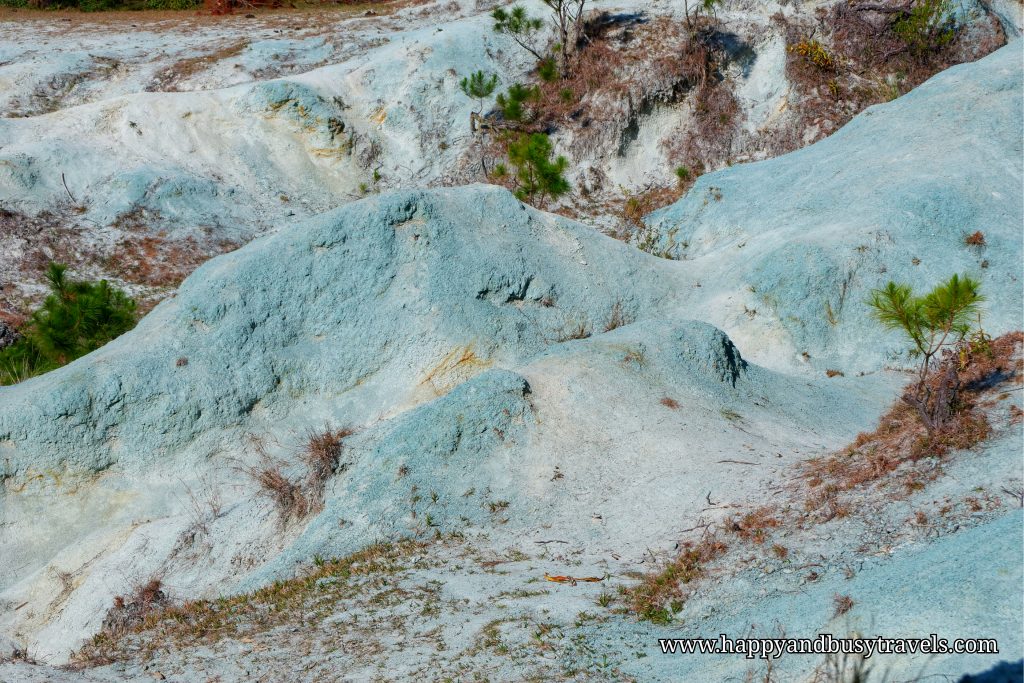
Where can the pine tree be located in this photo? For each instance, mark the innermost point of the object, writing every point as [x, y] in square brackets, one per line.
[76, 318]
[521, 27]
[537, 175]
[933, 322]
[511, 103]
[479, 86]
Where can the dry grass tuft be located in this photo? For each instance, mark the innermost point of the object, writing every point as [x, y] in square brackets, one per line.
[660, 594]
[841, 604]
[617, 318]
[573, 330]
[322, 455]
[755, 525]
[288, 497]
[975, 239]
[670, 403]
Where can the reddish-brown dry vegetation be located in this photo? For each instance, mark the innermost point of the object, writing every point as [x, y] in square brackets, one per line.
[662, 592]
[975, 239]
[322, 456]
[159, 261]
[901, 440]
[756, 524]
[165, 624]
[886, 457]
[852, 56]
[841, 604]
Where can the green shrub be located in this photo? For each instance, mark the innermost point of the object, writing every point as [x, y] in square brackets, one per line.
[547, 69]
[927, 27]
[76, 318]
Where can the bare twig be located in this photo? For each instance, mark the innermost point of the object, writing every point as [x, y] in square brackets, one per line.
[65, 182]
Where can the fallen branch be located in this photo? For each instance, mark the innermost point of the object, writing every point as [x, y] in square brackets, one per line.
[705, 525]
[572, 580]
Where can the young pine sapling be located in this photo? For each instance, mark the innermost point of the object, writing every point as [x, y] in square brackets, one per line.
[933, 322]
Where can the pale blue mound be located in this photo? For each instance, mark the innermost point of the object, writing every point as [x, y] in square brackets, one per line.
[788, 248]
[398, 281]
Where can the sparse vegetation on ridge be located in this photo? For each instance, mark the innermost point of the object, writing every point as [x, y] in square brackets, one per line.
[830, 485]
[857, 54]
[205, 621]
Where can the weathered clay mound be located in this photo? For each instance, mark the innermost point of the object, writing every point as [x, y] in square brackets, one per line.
[535, 399]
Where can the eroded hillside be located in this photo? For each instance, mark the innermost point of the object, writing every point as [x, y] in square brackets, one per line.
[497, 396]
[136, 148]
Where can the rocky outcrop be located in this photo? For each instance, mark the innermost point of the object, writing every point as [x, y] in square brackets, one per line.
[787, 249]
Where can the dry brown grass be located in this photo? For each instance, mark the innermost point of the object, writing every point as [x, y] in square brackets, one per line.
[709, 140]
[975, 239]
[268, 14]
[900, 441]
[632, 208]
[168, 79]
[660, 594]
[841, 604]
[208, 621]
[287, 495]
[617, 318]
[227, 7]
[295, 498]
[322, 456]
[755, 525]
[669, 403]
[856, 59]
[573, 329]
[130, 612]
[157, 261]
